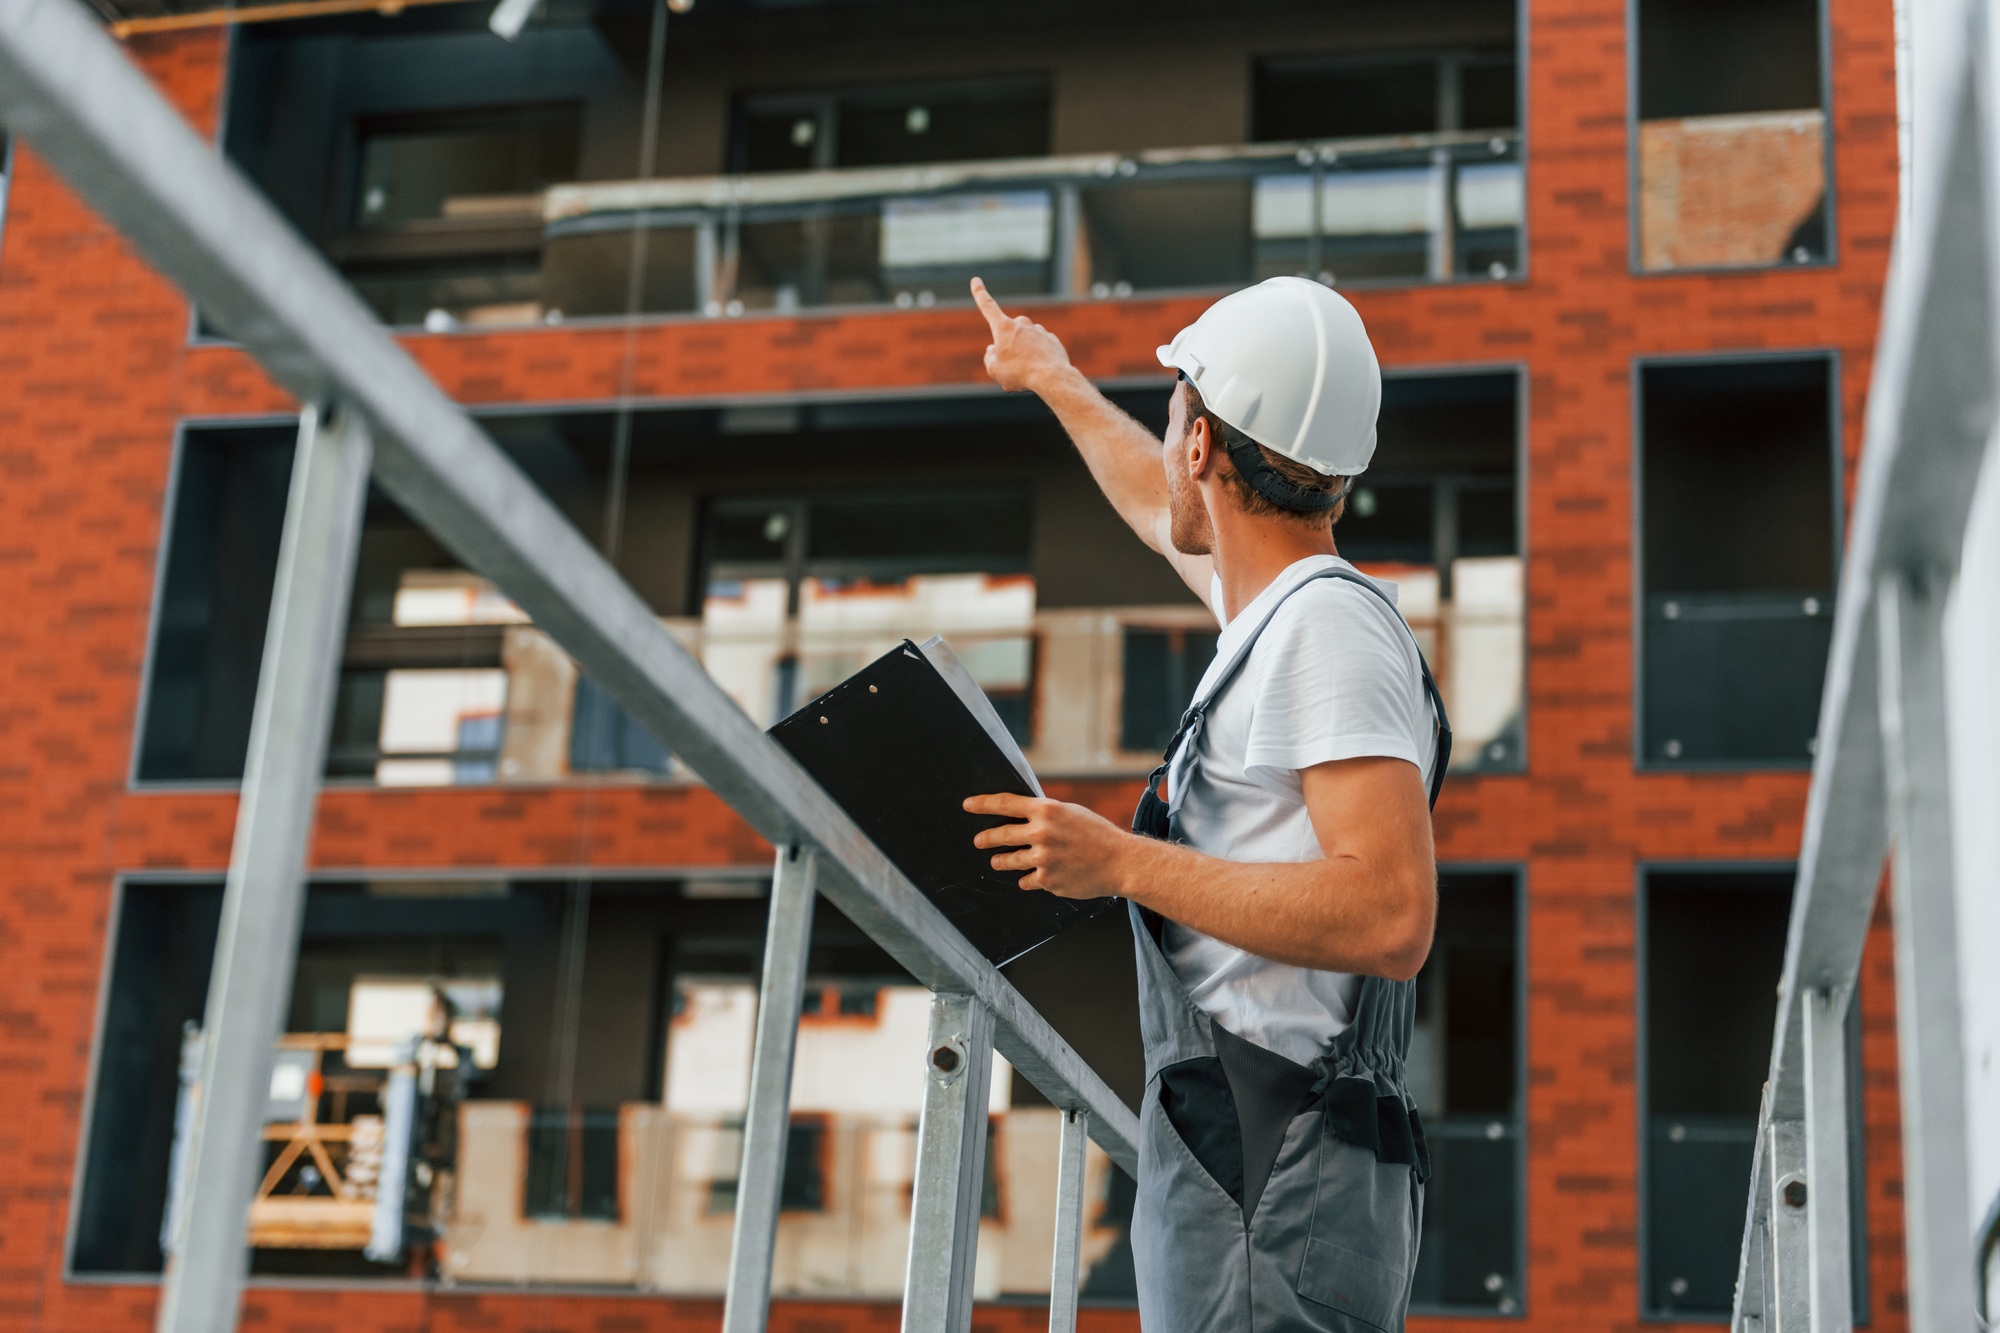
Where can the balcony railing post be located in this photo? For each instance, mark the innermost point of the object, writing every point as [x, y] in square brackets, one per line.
[1068, 1263]
[767, 1119]
[1316, 228]
[1067, 244]
[1444, 216]
[264, 896]
[1916, 747]
[707, 255]
[951, 1167]
[1787, 1306]
[1830, 1283]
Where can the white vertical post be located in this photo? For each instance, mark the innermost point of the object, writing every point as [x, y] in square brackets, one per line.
[1066, 1269]
[1787, 1307]
[1830, 1283]
[264, 896]
[1915, 743]
[951, 1168]
[767, 1119]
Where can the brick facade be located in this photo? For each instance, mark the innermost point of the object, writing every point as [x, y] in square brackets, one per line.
[98, 370]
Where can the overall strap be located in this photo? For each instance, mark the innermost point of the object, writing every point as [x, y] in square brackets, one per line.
[1191, 720]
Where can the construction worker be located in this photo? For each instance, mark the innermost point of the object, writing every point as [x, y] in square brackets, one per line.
[1279, 871]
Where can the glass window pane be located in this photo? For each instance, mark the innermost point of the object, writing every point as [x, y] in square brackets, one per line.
[432, 166]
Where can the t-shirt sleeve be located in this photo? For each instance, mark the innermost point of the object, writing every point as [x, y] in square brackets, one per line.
[1339, 680]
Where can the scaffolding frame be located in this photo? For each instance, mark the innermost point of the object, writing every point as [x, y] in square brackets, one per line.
[1881, 782]
[370, 411]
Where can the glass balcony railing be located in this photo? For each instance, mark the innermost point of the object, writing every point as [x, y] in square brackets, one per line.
[1088, 691]
[1410, 209]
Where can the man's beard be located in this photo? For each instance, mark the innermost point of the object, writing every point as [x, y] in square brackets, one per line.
[1189, 530]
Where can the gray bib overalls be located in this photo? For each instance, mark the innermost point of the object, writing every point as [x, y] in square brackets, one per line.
[1273, 1197]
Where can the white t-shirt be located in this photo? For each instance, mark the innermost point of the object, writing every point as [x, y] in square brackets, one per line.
[1334, 676]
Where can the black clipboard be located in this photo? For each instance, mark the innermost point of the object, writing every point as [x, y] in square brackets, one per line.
[899, 750]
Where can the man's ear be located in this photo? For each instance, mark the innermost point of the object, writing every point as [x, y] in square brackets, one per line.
[1200, 446]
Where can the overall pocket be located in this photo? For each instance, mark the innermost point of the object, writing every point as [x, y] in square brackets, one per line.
[1362, 1249]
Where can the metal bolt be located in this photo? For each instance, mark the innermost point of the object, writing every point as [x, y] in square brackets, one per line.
[944, 1059]
[822, 720]
[1794, 1191]
[873, 690]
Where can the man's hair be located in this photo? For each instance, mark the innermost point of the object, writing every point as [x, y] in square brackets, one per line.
[1298, 474]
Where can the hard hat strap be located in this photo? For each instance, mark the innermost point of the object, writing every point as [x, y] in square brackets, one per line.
[1266, 481]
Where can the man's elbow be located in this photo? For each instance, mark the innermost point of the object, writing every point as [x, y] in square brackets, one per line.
[1406, 935]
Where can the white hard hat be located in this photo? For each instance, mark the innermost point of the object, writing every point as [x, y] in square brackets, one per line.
[1287, 363]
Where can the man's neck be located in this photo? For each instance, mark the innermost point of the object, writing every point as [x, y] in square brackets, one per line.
[1251, 551]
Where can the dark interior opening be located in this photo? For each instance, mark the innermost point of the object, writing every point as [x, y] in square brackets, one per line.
[1364, 97]
[1727, 57]
[1464, 1071]
[1737, 514]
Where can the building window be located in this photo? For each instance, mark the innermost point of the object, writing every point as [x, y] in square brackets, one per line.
[1349, 97]
[799, 593]
[221, 558]
[1162, 667]
[1713, 945]
[965, 121]
[1366, 216]
[1465, 1073]
[1738, 534]
[1732, 134]
[1437, 516]
[443, 681]
[572, 1163]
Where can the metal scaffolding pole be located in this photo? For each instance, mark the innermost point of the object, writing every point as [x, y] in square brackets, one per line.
[263, 899]
[1066, 1268]
[1929, 1049]
[951, 1168]
[767, 1119]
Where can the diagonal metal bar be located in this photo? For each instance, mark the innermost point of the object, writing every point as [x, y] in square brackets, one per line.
[68, 90]
[264, 896]
[767, 1119]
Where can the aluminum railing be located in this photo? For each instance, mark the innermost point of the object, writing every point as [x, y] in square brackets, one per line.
[70, 92]
[1881, 777]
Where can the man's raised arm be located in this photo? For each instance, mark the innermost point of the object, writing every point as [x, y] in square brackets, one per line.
[1122, 455]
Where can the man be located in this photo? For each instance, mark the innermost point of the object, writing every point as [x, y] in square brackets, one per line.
[1280, 872]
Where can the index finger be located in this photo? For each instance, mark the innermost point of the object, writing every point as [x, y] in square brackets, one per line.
[988, 307]
[1001, 803]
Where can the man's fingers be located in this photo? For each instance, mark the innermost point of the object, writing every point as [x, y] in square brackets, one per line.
[995, 316]
[1000, 803]
[1021, 860]
[1006, 835]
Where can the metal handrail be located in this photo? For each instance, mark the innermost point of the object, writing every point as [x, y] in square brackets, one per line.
[834, 184]
[1879, 773]
[68, 90]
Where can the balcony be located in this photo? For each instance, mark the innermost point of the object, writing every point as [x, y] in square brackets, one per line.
[1423, 208]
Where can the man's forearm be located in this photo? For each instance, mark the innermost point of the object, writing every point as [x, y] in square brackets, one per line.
[1333, 914]
[1122, 455]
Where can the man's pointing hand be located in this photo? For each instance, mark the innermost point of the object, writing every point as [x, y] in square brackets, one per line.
[1023, 355]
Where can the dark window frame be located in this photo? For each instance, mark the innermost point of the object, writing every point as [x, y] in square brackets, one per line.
[1837, 461]
[824, 105]
[1829, 260]
[1448, 63]
[1857, 1159]
[1518, 1122]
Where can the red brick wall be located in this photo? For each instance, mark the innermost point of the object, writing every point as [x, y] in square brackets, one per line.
[96, 369]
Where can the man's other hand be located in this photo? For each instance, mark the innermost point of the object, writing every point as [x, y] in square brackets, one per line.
[1023, 354]
[1066, 849]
